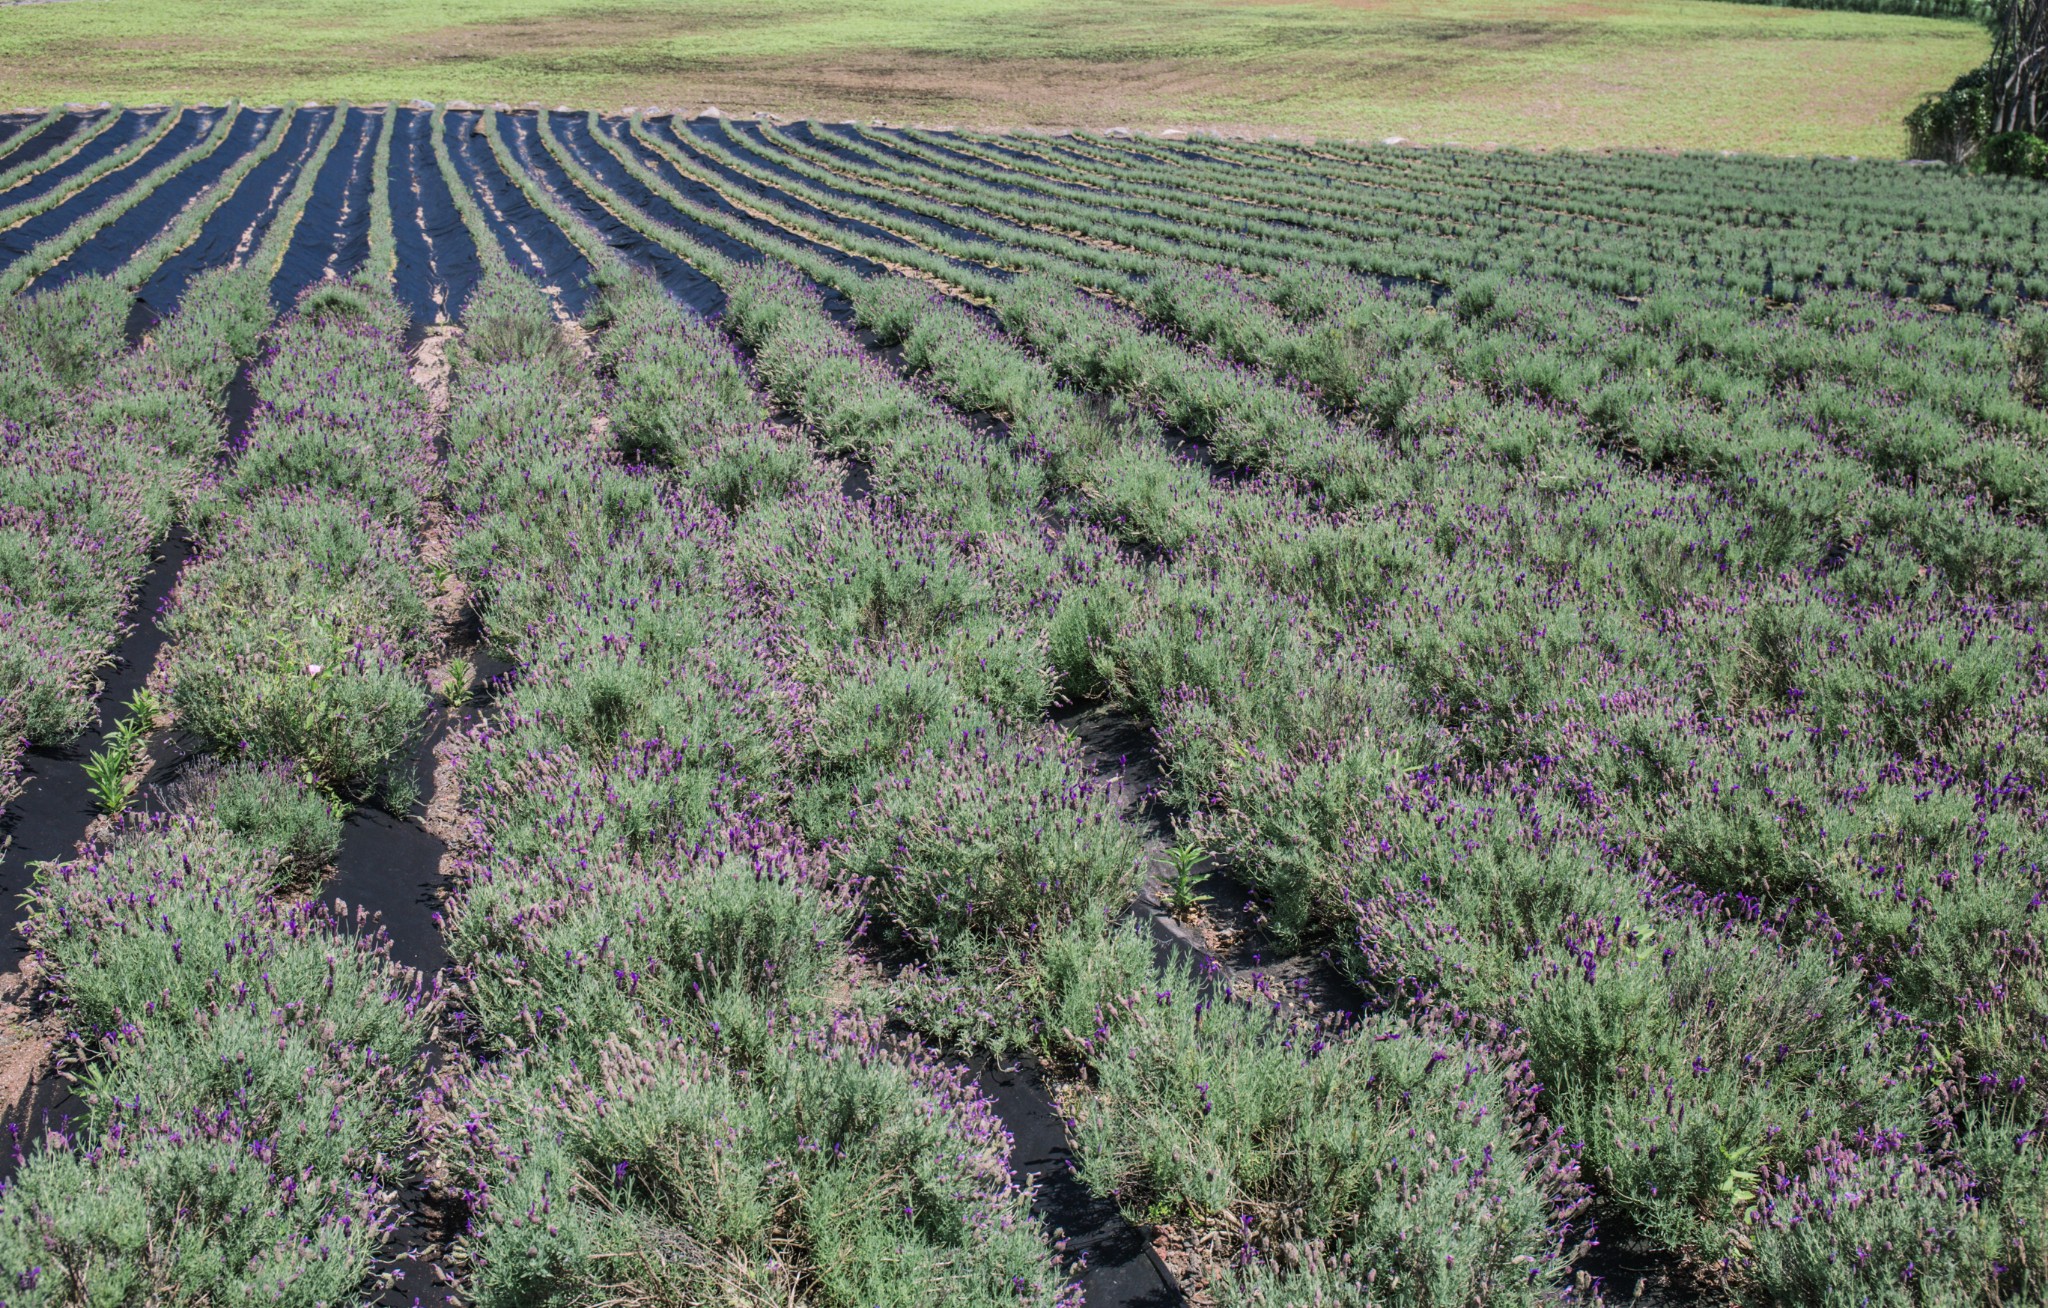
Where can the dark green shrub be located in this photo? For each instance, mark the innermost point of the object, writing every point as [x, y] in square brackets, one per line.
[995, 838]
[1391, 1163]
[272, 807]
[2015, 154]
[837, 1170]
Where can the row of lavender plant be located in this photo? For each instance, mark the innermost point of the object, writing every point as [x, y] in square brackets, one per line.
[1930, 445]
[183, 229]
[243, 1057]
[853, 402]
[43, 254]
[41, 161]
[50, 197]
[1857, 344]
[648, 944]
[245, 1061]
[1749, 227]
[299, 632]
[2002, 1191]
[103, 443]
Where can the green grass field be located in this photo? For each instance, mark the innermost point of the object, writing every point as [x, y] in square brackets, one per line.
[1666, 73]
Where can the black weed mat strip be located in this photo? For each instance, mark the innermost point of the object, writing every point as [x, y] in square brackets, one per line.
[241, 217]
[335, 231]
[124, 133]
[677, 276]
[19, 240]
[457, 268]
[684, 136]
[414, 281]
[437, 260]
[611, 173]
[49, 818]
[305, 256]
[530, 239]
[758, 151]
[114, 244]
[30, 148]
[391, 865]
[891, 144]
[1117, 1266]
[574, 134]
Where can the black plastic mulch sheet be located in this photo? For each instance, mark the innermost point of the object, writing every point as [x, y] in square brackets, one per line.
[123, 133]
[414, 278]
[1120, 1269]
[21, 149]
[681, 133]
[319, 234]
[50, 816]
[609, 172]
[437, 263]
[22, 238]
[758, 150]
[529, 238]
[677, 276]
[834, 140]
[235, 228]
[890, 144]
[116, 243]
[390, 864]
[13, 125]
[1055, 149]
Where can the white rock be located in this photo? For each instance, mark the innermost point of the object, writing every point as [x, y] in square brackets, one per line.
[711, 111]
[1120, 133]
[1172, 134]
[461, 106]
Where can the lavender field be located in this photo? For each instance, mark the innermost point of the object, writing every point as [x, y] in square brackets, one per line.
[641, 711]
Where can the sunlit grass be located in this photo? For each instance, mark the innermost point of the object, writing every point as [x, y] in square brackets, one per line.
[1671, 73]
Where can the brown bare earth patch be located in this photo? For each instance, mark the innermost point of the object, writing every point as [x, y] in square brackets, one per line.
[575, 33]
[994, 92]
[26, 1043]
